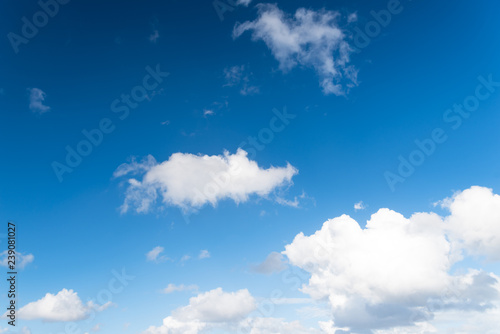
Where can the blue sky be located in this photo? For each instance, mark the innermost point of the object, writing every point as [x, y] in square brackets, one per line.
[356, 106]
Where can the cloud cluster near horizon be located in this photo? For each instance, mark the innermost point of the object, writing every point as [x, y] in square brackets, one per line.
[396, 272]
[61, 307]
[392, 276]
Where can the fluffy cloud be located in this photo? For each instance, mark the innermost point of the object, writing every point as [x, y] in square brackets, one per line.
[217, 306]
[359, 206]
[174, 326]
[21, 260]
[205, 310]
[363, 272]
[191, 181]
[474, 221]
[64, 306]
[217, 310]
[395, 272]
[396, 275]
[37, 97]
[309, 38]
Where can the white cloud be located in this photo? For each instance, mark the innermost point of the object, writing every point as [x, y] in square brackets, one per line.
[353, 17]
[37, 97]
[359, 206]
[217, 306]
[204, 254]
[394, 275]
[64, 306]
[134, 167]
[467, 322]
[309, 38]
[294, 204]
[191, 181]
[243, 2]
[172, 325]
[208, 112]
[475, 221]
[238, 76]
[179, 288]
[154, 255]
[356, 268]
[217, 310]
[233, 75]
[274, 263]
[21, 260]
[206, 309]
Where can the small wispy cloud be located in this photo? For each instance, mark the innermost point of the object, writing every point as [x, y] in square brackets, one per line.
[359, 206]
[153, 38]
[204, 254]
[283, 201]
[208, 112]
[155, 35]
[185, 258]
[243, 2]
[22, 260]
[274, 263]
[37, 97]
[295, 203]
[309, 38]
[238, 76]
[154, 255]
[353, 17]
[179, 288]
